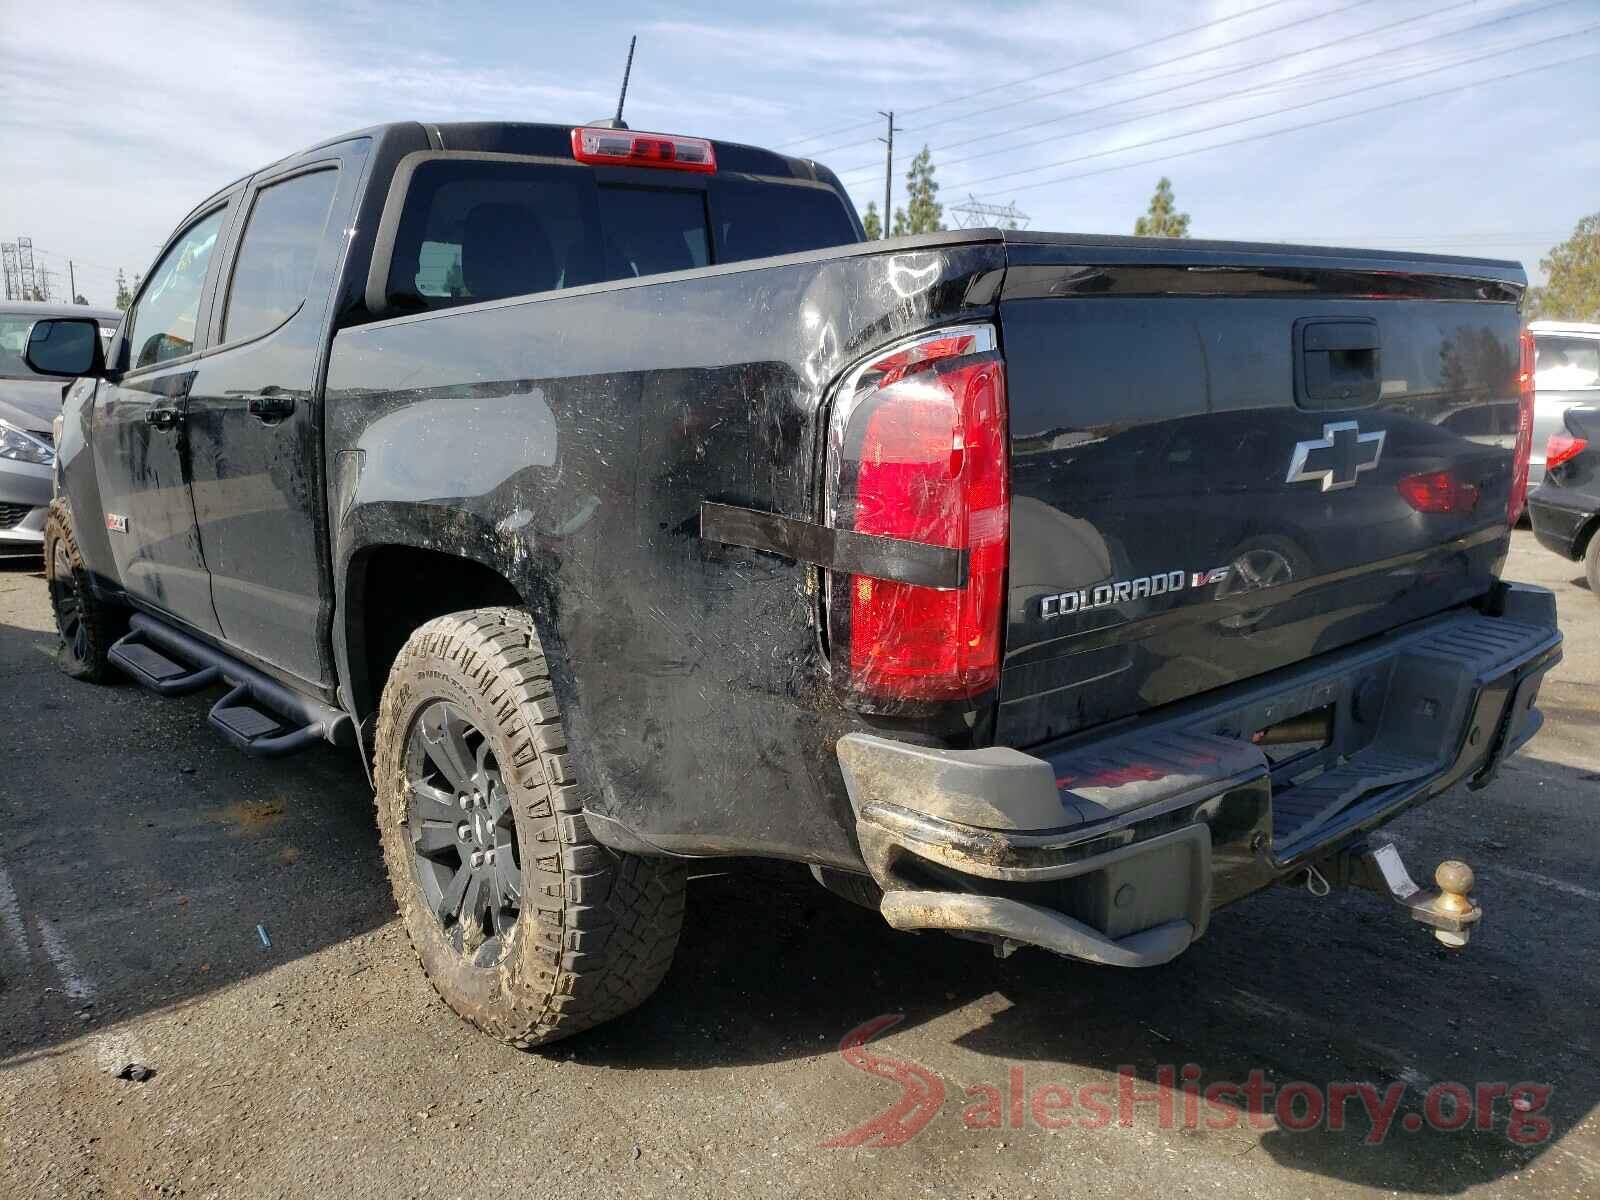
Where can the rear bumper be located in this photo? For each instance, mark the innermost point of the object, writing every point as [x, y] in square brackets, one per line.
[1116, 849]
[1559, 518]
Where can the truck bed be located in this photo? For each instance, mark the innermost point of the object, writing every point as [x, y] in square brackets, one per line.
[570, 439]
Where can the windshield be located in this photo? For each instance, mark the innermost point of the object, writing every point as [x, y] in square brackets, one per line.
[13, 342]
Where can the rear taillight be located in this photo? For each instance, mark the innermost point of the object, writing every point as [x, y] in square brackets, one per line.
[1561, 447]
[918, 451]
[1524, 447]
[626, 148]
[1438, 492]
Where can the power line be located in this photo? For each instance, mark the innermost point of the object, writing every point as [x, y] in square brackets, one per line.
[1332, 12]
[967, 183]
[1360, 112]
[82, 262]
[1504, 237]
[1184, 57]
[1313, 74]
[1042, 74]
[1277, 59]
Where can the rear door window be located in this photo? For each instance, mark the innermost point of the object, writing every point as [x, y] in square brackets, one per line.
[278, 252]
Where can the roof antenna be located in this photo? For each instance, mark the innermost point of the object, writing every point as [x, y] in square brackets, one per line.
[617, 122]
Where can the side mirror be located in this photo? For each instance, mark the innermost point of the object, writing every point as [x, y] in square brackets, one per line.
[66, 346]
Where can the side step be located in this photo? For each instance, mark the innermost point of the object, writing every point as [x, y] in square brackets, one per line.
[259, 716]
[155, 672]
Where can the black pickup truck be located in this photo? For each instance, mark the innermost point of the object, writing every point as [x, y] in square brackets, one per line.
[623, 507]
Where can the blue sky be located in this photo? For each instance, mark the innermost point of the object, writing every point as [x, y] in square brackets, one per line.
[115, 119]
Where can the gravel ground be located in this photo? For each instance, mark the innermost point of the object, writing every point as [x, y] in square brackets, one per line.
[144, 867]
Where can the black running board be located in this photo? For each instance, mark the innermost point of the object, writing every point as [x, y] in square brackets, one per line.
[259, 716]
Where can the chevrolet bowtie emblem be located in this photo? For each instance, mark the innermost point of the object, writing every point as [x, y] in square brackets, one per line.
[1338, 458]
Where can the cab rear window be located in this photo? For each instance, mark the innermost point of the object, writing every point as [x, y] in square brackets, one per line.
[479, 229]
[1566, 362]
[756, 220]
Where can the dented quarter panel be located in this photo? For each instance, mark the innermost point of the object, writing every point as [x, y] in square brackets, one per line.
[568, 440]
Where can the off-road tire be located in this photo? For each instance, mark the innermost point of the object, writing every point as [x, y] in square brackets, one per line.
[94, 624]
[1591, 562]
[597, 928]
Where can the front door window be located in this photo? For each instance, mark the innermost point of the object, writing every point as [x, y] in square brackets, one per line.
[165, 321]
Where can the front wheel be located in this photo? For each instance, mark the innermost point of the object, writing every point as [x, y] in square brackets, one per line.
[525, 925]
[86, 624]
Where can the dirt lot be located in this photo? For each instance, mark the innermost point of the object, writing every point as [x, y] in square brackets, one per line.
[144, 866]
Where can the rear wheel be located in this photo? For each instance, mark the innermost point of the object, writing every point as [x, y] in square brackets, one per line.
[525, 925]
[86, 624]
[1591, 562]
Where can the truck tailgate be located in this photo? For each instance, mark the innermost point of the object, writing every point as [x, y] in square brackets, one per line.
[1229, 458]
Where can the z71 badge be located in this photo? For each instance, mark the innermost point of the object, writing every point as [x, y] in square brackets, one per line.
[1104, 595]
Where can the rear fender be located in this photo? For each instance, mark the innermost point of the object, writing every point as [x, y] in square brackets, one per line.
[437, 529]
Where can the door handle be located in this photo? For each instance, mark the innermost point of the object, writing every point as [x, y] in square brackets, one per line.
[162, 418]
[269, 407]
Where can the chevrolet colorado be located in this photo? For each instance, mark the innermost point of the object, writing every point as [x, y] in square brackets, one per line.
[623, 507]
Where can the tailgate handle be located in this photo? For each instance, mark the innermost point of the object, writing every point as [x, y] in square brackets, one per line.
[1336, 362]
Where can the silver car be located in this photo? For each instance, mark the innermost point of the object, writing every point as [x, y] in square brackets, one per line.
[28, 407]
[1566, 371]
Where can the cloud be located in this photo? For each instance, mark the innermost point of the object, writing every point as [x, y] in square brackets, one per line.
[114, 128]
[114, 124]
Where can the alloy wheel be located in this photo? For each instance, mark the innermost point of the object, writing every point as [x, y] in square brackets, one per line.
[463, 833]
[68, 606]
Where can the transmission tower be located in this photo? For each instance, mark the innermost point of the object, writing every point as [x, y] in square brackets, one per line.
[974, 214]
[8, 267]
[25, 276]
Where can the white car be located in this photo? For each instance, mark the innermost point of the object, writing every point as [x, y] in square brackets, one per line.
[1566, 371]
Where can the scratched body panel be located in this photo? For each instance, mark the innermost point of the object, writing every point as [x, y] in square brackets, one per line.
[568, 442]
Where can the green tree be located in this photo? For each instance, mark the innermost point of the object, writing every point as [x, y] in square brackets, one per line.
[1572, 270]
[924, 213]
[900, 227]
[872, 222]
[124, 296]
[1162, 219]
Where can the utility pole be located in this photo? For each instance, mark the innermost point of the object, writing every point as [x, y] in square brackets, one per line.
[72, 284]
[888, 168]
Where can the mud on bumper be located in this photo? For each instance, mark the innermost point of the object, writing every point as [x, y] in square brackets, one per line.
[1115, 849]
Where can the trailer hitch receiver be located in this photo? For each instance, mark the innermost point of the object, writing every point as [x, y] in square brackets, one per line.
[1450, 911]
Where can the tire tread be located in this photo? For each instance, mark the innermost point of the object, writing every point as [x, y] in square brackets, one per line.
[605, 925]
